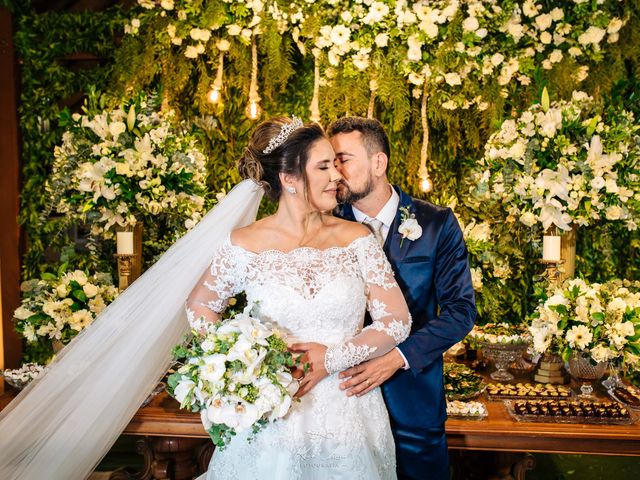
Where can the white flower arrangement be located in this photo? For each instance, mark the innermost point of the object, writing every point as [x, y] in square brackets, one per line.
[600, 319]
[119, 166]
[21, 377]
[565, 163]
[236, 374]
[58, 307]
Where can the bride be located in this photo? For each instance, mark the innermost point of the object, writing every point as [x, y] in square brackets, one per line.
[312, 274]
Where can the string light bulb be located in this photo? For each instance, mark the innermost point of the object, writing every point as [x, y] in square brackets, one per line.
[253, 110]
[425, 184]
[214, 95]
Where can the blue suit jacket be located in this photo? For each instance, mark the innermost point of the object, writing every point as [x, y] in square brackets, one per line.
[433, 273]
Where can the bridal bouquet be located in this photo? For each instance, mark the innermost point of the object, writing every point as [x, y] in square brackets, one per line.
[236, 375]
[600, 319]
[564, 163]
[119, 166]
[58, 307]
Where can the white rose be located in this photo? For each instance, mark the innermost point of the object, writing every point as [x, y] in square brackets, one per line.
[416, 79]
[191, 52]
[62, 290]
[246, 34]
[529, 219]
[234, 29]
[470, 24]
[90, 290]
[556, 14]
[556, 56]
[167, 4]
[614, 25]
[79, 276]
[601, 353]
[497, 59]
[546, 38]
[414, 54]
[382, 39]
[452, 78]
[614, 212]
[223, 45]
[543, 21]
[593, 35]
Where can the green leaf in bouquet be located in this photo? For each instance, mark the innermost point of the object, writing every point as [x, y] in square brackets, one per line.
[172, 382]
[48, 276]
[180, 352]
[599, 316]
[80, 295]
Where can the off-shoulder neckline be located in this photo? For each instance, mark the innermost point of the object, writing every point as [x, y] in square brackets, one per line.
[297, 249]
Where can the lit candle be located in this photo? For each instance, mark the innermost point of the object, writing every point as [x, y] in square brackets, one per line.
[124, 242]
[551, 248]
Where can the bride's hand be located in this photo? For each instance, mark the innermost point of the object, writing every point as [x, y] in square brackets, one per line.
[313, 354]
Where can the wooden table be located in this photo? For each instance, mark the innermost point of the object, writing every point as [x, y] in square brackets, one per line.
[163, 424]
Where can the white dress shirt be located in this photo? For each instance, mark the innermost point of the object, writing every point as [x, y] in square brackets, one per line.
[386, 215]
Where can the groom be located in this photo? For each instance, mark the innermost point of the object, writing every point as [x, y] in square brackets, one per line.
[432, 270]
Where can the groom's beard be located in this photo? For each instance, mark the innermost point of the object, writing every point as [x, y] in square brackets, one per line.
[347, 195]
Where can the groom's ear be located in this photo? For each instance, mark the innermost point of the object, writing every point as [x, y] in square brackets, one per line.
[379, 165]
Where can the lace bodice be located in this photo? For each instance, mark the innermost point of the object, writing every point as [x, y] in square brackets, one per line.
[314, 295]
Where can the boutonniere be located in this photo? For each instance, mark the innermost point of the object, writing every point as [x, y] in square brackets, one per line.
[409, 227]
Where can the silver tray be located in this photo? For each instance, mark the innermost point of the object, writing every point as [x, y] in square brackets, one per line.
[611, 392]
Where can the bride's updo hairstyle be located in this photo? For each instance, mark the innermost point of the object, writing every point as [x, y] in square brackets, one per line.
[289, 157]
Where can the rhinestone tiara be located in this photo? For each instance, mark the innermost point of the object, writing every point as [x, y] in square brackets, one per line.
[285, 131]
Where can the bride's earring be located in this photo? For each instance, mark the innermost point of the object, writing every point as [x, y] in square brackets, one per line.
[291, 190]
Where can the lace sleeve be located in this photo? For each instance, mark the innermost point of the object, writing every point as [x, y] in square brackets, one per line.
[387, 307]
[220, 282]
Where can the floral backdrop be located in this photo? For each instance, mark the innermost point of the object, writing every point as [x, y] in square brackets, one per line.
[519, 115]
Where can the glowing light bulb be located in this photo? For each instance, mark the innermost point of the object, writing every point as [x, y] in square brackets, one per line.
[253, 110]
[214, 95]
[425, 184]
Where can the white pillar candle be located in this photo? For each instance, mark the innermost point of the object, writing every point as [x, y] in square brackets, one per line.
[551, 248]
[124, 243]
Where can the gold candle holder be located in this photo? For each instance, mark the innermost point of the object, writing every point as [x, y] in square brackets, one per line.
[125, 270]
[552, 271]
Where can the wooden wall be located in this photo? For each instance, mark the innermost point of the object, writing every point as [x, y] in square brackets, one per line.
[9, 194]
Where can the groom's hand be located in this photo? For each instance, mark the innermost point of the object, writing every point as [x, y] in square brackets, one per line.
[371, 374]
[313, 354]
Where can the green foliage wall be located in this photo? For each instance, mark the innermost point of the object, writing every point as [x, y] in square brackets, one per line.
[142, 62]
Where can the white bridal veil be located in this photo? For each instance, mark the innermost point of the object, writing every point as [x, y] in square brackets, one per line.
[61, 425]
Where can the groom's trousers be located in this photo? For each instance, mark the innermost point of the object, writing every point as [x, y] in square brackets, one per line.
[421, 453]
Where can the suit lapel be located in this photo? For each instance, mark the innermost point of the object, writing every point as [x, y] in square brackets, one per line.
[394, 238]
[345, 211]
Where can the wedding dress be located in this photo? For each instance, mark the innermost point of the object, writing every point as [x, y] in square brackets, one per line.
[314, 296]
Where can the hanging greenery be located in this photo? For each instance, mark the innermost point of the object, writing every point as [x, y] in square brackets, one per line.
[470, 64]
